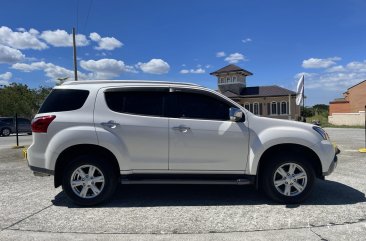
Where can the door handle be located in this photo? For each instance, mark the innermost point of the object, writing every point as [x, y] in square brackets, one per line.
[111, 124]
[183, 129]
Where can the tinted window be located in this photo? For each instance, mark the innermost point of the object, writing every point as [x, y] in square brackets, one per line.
[64, 100]
[199, 106]
[8, 121]
[136, 102]
[23, 121]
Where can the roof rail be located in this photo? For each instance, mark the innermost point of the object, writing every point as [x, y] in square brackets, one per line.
[125, 82]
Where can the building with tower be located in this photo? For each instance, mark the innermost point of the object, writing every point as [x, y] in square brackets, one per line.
[269, 101]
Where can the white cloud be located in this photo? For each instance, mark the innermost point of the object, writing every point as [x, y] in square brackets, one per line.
[357, 66]
[208, 66]
[220, 54]
[247, 40]
[338, 68]
[315, 63]
[6, 76]
[60, 38]
[235, 58]
[10, 55]
[21, 39]
[106, 68]
[105, 43]
[192, 71]
[336, 78]
[154, 66]
[51, 70]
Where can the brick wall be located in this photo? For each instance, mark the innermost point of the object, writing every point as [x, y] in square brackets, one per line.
[339, 107]
[357, 97]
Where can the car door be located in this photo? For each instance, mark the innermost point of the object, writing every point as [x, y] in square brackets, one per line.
[201, 135]
[135, 116]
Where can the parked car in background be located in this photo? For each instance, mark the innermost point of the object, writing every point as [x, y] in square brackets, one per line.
[7, 126]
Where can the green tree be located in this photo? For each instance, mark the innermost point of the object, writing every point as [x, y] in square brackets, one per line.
[321, 109]
[20, 99]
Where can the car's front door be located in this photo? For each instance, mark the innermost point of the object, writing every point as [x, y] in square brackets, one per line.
[201, 135]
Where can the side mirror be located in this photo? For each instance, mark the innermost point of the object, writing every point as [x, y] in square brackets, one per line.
[235, 114]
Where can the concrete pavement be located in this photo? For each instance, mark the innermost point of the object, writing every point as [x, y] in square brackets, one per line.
[32, 209]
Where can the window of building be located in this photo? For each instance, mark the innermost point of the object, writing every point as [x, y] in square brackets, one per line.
[274, 108]
[228, 79]
[256, 108]
[283, 108]
[222, 80]
[246, 106]
[234, 79]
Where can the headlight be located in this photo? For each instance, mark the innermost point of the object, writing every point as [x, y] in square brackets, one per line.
[321, 132]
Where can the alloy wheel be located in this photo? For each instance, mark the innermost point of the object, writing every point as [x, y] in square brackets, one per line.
[290, 179]
[87, 181]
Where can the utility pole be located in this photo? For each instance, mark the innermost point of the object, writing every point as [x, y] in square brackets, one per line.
[74, 47]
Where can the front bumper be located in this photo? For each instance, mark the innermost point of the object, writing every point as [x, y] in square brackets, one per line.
[333, 165]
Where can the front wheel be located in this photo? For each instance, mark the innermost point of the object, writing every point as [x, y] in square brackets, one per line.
[288, 179]
[89, 180]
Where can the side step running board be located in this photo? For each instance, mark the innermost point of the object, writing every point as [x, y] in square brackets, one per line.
[182, 181]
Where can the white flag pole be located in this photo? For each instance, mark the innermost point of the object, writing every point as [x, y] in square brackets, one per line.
[303, 97]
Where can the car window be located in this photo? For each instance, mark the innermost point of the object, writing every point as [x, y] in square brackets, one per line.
[144, 102]
[8, 121]
[198, 106]
[64, 100]
[23, 121]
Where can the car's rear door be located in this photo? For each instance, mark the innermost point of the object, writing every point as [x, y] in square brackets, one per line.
[135, 116]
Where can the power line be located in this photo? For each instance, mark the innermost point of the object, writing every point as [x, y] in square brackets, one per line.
[87, 15]
[77, 14]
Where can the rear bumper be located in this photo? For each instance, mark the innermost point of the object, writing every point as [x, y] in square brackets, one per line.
[41, 172]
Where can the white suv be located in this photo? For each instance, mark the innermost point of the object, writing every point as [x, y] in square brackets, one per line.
[92, 135]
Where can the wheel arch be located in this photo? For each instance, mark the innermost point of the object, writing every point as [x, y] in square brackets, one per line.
[66, 155]
[289, 149]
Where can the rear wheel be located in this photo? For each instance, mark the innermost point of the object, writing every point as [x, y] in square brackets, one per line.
[288, 179]
[89, 180]
[5, 132]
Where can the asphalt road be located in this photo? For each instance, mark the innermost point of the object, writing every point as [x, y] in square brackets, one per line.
[30, 208]
[7, 142]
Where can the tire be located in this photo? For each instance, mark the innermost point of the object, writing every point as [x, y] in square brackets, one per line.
[99, 189]
[293, 175]
[5, 132]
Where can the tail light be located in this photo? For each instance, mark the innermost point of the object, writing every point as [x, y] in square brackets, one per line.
[40, 124]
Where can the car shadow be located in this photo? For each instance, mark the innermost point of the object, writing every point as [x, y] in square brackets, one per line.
[324, 193]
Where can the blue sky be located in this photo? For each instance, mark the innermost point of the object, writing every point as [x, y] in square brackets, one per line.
[278, 41]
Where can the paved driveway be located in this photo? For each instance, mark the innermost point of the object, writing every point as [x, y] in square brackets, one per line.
[7, 142]
[31, 208]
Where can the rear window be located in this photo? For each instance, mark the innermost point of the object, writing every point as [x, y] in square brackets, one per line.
[64, 100]
[136, 102]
